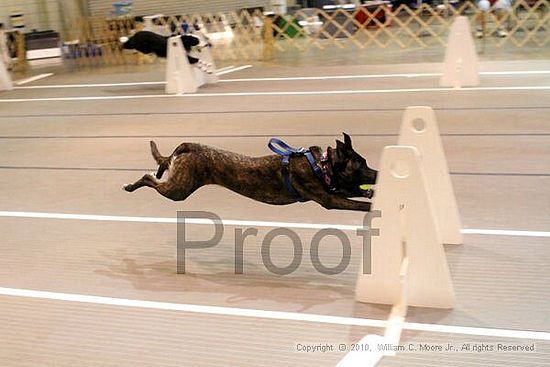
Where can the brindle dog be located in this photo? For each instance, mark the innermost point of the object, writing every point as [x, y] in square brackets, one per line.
[260, 178]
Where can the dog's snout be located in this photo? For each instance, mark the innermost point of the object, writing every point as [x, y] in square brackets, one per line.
[371, 176]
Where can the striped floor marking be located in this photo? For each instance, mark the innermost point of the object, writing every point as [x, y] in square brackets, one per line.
[282, 93]
[244, 223]
[31, 79]
[274, 315]
[230, 69]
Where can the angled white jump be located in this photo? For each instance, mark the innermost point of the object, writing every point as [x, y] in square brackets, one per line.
[460, 68]
[419, 129]
[407, 229]
[182, 77]
[5, 79]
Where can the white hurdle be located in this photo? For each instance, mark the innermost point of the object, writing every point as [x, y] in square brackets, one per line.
[181, 77]
[5, 79]
[419, 129]
[418, 214]
[407, 230]
[460, 67]
[392, 335]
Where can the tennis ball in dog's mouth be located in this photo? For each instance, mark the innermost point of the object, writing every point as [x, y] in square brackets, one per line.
[365, 187]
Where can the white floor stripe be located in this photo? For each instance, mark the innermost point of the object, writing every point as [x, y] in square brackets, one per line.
[289, 93]
[224, 70]
[32, 79]
[221, 71]
[95, 85]
[504, 232]
[275, 315]
[243, 223]
[234, 69]
[517, 72]
[330, 77]
[380, 76]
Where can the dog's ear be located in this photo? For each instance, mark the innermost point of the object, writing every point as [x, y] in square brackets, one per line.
[347, 141]
[341, 150]
[340, 146]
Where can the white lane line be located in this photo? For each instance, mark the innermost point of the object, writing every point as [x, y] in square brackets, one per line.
[274, 315]
[32, 79]
[505, 232]
[224, 68]
[380, 76]
[330, 77]
[290, 93]
[89, 85]
[243, 223]
[222, 71]
[517, 72]
[234, 69]
[117, 218]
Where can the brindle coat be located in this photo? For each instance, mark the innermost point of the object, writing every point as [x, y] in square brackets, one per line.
[191, 166]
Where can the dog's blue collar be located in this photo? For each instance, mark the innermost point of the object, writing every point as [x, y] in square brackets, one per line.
[286, 151]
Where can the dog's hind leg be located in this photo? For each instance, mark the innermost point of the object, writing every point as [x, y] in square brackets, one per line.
[163, 162]
[165, 188]
[147, 180]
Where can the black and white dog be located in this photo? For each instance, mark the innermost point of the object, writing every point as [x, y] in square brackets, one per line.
[149, 42]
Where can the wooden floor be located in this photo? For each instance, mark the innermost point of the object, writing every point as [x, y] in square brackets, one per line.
[69, 151]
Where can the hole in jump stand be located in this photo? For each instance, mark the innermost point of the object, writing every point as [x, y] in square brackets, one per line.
[400, 169]
[419, 125]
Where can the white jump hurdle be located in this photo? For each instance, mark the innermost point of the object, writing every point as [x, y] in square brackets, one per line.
[5, 79]
[181, 77]
[407, 229]
[392, 335]
[419, 129]
[460, 67]
[418, 213]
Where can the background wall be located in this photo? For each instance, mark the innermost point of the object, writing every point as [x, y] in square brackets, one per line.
[42, 14]
[57, 14]
[175, 7]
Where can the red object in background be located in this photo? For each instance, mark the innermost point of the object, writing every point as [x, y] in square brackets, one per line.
[364, 18]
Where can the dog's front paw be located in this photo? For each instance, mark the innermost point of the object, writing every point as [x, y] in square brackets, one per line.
[127, 187]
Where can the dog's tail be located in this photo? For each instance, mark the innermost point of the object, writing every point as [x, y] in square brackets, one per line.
[163, 162]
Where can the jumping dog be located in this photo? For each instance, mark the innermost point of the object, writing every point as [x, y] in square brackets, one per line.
[192, 165]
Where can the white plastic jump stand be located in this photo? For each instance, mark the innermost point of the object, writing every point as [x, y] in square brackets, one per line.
[392, 333]
[206, 56]
[419, 129]
[364, 357]
[460, 66]
[182, 77]
[5, 79]
[407, 229]
[394, 327]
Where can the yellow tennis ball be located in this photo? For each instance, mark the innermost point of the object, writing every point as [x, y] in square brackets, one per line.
[365, 187]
